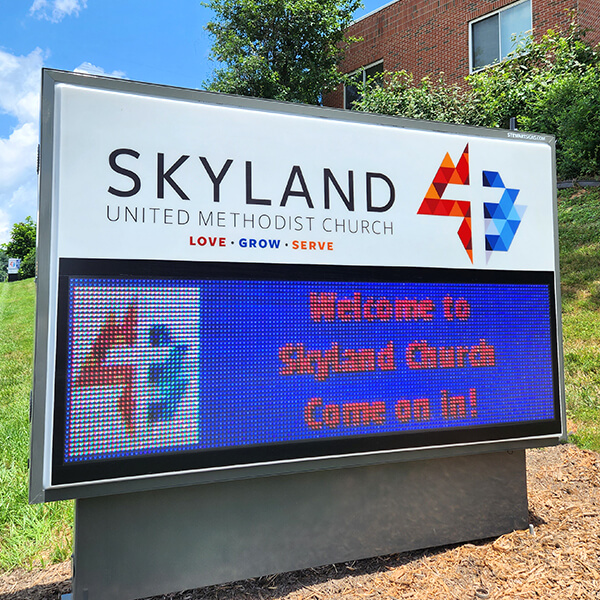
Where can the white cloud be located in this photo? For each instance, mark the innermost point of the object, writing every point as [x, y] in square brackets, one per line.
[20, 83]
[19, 97]
[4, 226]
[16, 204]
[18, 156]
[87, 67]
[56, 10]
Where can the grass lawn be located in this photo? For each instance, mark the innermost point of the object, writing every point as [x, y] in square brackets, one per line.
[30, 535]
[579, 235]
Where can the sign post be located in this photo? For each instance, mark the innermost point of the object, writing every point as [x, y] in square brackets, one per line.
[244, 295]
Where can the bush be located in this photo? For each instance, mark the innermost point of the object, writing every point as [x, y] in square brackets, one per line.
[517, 87]
[27, 268]
[552, 86]
[569, 109]
[398, 95]
[3, 265]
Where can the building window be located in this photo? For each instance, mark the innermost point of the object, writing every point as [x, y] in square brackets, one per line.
[498, 34]
[351, 91]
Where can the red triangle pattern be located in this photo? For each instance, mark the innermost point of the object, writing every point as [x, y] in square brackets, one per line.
[95, 371]
[435, 204]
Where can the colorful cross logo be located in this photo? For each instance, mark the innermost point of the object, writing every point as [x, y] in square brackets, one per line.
[159, 362]
[501, 220]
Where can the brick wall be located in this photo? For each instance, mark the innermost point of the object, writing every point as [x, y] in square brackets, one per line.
[426, 37]
[589, 17]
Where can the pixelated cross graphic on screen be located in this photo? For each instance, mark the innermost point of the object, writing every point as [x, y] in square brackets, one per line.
[119, 358]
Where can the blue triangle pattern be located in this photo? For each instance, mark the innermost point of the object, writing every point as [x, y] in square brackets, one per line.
[507, 234]
[490, 241]
[499, 213]
[490, 227]
[512, 194]
[492, 179]
[514, 215]
[514, 225]
[502, 246]
[507, 202]
[505, 216]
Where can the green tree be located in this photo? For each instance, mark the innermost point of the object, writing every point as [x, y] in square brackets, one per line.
[27, 268]
[22, 239]
[22, 245]
[3, 265]
[280, 49]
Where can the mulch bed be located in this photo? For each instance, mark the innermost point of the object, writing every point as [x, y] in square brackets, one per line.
[557, 558]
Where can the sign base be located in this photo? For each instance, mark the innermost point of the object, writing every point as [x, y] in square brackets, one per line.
[144, 544]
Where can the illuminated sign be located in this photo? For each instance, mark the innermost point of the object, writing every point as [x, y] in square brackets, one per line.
[220, 301]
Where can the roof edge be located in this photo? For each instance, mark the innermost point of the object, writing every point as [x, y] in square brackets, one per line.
[370, 14]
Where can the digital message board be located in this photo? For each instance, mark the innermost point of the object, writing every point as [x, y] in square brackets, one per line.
[232, 285]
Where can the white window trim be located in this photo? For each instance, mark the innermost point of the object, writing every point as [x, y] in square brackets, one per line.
[364, 71]
[486, 16]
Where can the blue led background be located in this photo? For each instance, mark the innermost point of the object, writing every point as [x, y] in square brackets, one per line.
[202, 362]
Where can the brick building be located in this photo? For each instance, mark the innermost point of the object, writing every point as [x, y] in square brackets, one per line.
[456, 37]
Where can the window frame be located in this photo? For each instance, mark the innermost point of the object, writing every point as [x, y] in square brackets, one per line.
[498, 12]
[362, 70]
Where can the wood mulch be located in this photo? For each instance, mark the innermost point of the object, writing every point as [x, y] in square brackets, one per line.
[557, 558]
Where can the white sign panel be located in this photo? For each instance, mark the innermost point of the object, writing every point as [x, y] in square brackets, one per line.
[152, 178]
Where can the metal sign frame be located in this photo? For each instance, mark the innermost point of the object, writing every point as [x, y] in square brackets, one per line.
[56, 248]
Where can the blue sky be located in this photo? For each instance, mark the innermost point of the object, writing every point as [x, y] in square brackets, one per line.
[146, 40]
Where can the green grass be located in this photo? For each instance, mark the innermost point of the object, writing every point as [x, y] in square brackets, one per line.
[33, 535]
[579, 236]
[29, 535]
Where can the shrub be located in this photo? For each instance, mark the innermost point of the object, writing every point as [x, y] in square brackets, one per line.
[27, 268]
[570, 110]
[397, 94]
[517, 87]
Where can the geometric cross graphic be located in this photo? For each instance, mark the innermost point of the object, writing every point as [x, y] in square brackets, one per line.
[166, 376]
[102, 368]
[503, 219]
[96, 371]
[434, 202]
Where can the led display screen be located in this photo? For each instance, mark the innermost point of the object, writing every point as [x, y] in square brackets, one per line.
[199, 366]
